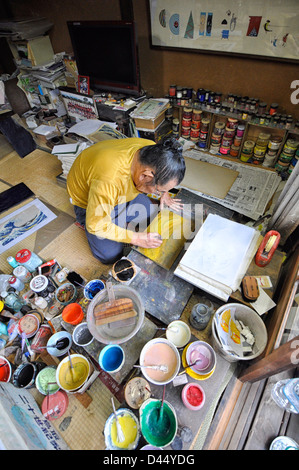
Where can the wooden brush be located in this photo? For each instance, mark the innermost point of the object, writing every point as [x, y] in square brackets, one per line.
[113, 310]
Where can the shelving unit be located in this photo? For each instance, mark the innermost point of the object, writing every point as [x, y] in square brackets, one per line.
[251, 132]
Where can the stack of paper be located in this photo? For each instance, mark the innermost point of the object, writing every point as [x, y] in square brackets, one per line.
[67, 154]
[151, 108]
[219, 256]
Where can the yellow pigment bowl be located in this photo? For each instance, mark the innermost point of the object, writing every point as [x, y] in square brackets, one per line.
[130, 427]
[70, 379]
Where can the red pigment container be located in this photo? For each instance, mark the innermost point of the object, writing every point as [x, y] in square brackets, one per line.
[193, 396]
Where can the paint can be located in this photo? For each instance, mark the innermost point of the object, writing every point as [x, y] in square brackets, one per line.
[69, 378]
[273, 109]
[205, 122]
[240, 130]
[175, 125]
[42, 286]
[22, 273]
[41, 338]
[112, 358]
[232, 123]
[158, 428]
[24, 376]
[160, 351]
[130, 427]
[27, 258]
[219, 128]
[196, 115]
[194, 135]
[234, 151]
[172, 90]
[186, 122]
[185, 132]
[178, 332]
[137, 390]
[187, 113]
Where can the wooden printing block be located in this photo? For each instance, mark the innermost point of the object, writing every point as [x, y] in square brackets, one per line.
[250, 288]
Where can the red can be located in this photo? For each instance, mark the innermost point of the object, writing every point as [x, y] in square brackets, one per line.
[40, 340]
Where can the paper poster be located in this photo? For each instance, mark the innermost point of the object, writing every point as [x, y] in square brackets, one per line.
[21, 223]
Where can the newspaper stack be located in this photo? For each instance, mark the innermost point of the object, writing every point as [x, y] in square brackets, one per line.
[67, 154]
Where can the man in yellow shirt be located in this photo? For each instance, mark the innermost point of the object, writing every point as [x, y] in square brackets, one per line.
[108, 183]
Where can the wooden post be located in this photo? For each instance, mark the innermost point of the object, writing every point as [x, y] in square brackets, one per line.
[283, 358]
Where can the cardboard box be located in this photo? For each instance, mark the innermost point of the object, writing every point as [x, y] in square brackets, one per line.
[151, 124]
[163, 130]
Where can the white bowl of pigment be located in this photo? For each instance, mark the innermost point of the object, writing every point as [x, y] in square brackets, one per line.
[178, 332]
[81, 335]
[164, 356]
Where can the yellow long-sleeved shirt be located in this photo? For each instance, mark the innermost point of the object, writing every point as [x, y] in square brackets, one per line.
[99, 179]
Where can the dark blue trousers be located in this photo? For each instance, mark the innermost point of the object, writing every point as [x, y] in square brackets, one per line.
[132, 215]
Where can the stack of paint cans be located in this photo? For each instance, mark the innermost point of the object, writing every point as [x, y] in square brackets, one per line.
[247, 150]
[186, 122]
[176, 128]
[288, 153]
[195, 125]
[204, 133]
[294, 161]
[272, 151]
[260, 148]
[228, 137]
[216, 136]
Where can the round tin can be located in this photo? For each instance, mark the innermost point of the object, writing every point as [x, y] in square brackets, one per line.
[240, 130]
[187, 112]
[275, 142]
[185, 131]
[175, 125]
[224, 150]
[196, 115]
[186, 122]
[203, 135]
[205, 124]
[237, 141]
[194, 134]
[22, 273]
[232, 123]
[195, 124]
[40, 340]
[172, 90]
[234, 151]
[42, 285]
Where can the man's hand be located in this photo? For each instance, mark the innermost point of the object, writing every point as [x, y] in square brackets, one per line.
[147, 240]
[167, 200]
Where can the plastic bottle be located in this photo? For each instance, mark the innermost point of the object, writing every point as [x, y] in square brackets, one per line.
[285, 393]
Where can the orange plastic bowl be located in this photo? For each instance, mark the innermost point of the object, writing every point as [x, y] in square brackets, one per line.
[73, 313]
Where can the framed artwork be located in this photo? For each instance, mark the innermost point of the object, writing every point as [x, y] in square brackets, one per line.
[21, 223]
[83, 84]
[259, 28]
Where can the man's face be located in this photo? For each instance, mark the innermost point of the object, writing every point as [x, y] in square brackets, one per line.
[148, 185]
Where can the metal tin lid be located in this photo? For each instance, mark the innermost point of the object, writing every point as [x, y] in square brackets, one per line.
[39, 283]
[54, 406]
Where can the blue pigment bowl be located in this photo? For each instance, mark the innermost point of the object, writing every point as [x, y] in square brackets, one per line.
[92, 288]
[112, 358]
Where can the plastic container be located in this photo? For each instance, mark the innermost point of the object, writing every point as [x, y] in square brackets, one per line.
[73, 314]
[16, 283]
[30, 260]
[59, 343]
[92, 288]
[178, 332]
[205, 355]
[5, 369]
[285, 393]
[254, 322]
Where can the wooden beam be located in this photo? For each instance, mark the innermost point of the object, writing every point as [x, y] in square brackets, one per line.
[283, 358]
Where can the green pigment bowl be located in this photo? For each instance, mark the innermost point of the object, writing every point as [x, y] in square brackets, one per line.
[158, 430]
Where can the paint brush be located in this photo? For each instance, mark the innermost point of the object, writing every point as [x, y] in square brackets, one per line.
[120, 434]
[162, 404]
[190, 365]
[159, 367]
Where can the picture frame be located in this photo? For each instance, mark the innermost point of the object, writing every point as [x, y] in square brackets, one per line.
[261, 29]
[83, 84]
